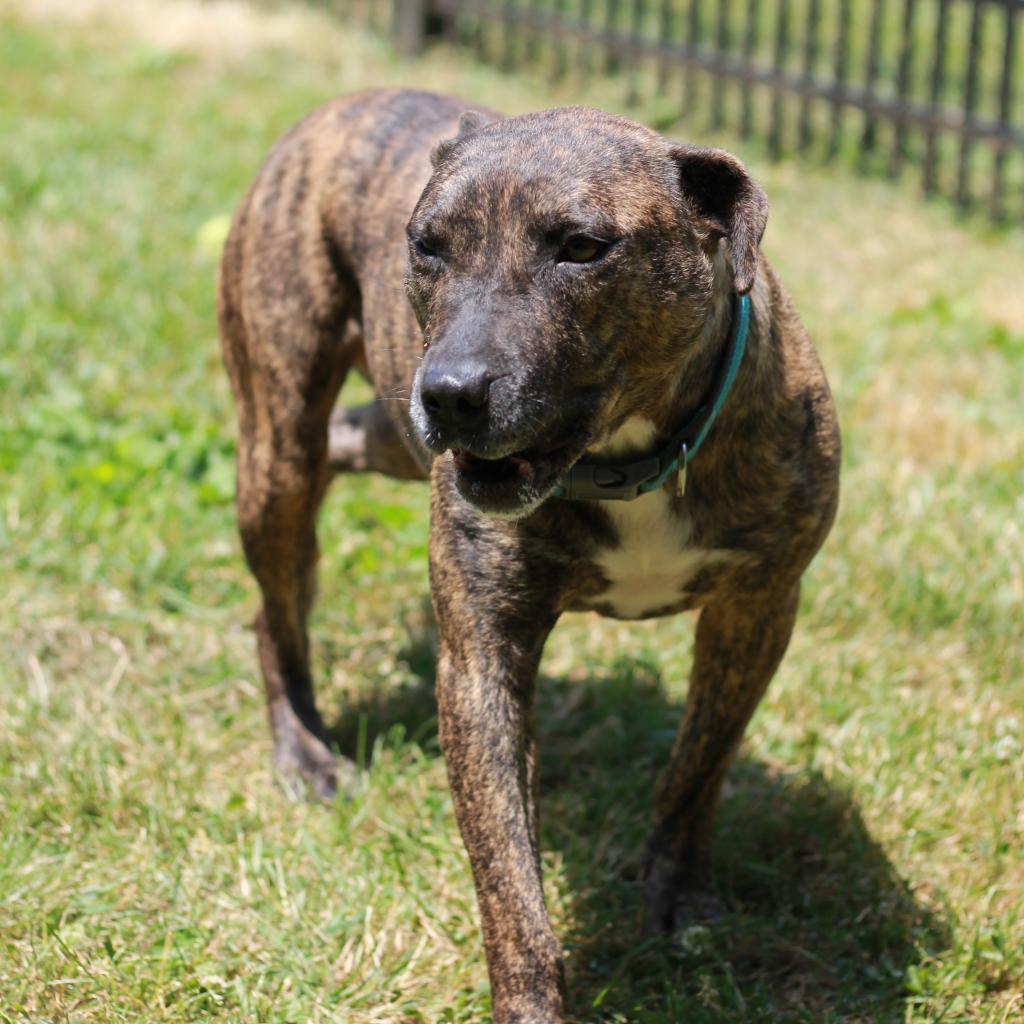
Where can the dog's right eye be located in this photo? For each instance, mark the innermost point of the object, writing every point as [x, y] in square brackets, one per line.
[426, 246]
[582, 249]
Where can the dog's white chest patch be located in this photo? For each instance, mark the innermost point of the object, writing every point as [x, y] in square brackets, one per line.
[649, 569]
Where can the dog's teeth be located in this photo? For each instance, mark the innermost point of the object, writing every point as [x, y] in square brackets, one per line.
[523, 466]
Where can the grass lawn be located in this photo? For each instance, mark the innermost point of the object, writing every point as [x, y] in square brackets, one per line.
[871, 845]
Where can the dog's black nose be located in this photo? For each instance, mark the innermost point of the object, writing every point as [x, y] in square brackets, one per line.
[455, 395]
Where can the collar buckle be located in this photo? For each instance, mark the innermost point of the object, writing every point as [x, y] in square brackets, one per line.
[592, 481]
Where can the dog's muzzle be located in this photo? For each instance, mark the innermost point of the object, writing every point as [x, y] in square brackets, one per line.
[506, 463]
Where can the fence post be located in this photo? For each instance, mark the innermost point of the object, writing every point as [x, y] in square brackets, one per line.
[413, 21]
[408, 26]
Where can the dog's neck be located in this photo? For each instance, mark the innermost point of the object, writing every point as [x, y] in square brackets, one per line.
[689, 387]
[602, 479]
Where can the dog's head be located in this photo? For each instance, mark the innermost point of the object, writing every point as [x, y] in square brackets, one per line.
[561, 266]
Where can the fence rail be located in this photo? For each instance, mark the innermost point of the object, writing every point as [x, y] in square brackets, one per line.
[893, 86]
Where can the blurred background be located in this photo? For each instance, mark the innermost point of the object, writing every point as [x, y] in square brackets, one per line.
[928, 86]
[871, 844]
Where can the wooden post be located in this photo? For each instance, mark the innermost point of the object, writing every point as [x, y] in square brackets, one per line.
[636, 21]
[508, 56]
[842, 63]
[870, 131]
[611, 21]
[693, 39]
[899, 139]
[779, 55]
[560, 61]
[963, 173]
[409, 24]
[997, 208]
[938, 84]
[588, 44]
[413, 21]
[750, 38]
[722, 44]
[665, 21]
[809, 61]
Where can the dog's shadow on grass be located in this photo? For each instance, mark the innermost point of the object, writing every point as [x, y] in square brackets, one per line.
[818, 924]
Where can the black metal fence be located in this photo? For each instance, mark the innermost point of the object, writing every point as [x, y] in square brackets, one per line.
[929, 86]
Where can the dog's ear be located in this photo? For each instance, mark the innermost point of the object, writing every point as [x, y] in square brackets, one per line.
[469, 122]
[728, 204]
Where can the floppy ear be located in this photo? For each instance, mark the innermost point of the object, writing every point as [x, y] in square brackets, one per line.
[727, 202]
[469, 122]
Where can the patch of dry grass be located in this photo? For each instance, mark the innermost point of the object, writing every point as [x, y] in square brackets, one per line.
[215, 30]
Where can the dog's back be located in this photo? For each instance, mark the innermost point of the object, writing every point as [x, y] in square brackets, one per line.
[321, 233]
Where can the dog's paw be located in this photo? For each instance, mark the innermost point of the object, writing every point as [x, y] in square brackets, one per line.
[307, 768]
[677, 898]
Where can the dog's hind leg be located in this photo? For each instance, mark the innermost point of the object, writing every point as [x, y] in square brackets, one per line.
[738, 648]
[287, 362]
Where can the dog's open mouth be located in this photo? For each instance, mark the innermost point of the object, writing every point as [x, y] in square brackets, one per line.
[515, 481]
[519, 466]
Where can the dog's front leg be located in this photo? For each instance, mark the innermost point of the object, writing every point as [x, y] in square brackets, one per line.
[739, 645]
[485, 685]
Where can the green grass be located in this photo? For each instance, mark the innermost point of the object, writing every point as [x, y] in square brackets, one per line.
[870, 847]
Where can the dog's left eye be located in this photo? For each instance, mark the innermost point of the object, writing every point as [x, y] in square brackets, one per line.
[582, 249]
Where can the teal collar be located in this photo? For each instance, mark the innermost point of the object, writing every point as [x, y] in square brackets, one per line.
[589, 480]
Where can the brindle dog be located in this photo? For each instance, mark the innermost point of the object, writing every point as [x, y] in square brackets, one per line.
[572, 278]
